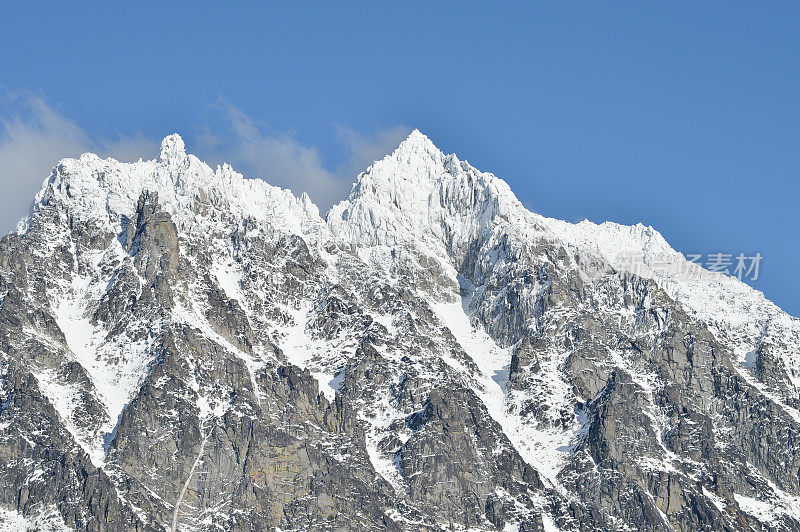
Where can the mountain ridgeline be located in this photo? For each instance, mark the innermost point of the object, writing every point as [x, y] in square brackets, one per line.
[182, 348]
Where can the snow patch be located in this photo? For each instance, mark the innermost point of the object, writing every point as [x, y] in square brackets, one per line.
[47, 520]
[545, 449]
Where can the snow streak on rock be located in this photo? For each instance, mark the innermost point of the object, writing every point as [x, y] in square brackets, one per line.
[186, 349]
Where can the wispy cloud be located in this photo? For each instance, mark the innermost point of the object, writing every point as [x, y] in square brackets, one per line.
[129, 148]
[366, 149]
[33, 138]
[278, 157]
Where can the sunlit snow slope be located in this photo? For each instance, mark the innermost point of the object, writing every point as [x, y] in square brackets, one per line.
[187, 349]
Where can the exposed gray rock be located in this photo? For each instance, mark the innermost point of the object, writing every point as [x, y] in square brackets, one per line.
[184, 349]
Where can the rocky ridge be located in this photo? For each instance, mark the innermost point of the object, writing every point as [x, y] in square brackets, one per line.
[182, 348]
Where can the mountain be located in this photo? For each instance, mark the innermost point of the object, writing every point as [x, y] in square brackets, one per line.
[182, 348]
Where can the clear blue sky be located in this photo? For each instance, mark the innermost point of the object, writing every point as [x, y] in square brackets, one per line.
[682, 115]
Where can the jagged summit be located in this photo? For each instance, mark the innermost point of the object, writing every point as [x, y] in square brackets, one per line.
[419, 152]
[182, 348]
[92, 188]
[417, 142]
[416, 197]
[419, 196]
[172, 148]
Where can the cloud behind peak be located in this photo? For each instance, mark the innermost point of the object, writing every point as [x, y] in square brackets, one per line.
[34, 137]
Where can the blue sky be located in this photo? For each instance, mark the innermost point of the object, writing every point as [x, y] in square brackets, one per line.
[682, 115]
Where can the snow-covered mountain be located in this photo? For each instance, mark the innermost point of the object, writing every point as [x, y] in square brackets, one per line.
[182, 348]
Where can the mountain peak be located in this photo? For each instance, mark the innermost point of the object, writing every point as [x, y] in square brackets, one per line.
[417, 143]
[419, 197]
[172, 147]
[551, 347]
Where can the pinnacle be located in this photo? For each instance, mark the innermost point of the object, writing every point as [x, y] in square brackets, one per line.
[172, 147]
[417, 141]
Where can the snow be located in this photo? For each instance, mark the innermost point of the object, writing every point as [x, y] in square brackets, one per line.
[63, 397]
[296, 342]
[544, 449]
[419, 198]
[734, 311]
[769, 508]
[379, 417]
[416, 202]
[323, 358]
[84, 340]
[116, 368]
[329, 384]
[193, 317]
[229, 278]
[715, 499]
[492, 360]
[48, 520]
[99, 189]
[761, 510]
[548, 523]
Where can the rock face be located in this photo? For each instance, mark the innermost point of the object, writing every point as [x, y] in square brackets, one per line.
[185, 349]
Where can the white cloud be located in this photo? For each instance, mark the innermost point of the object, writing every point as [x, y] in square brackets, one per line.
[256, 150]
[278, 158]
[129, 148]
[31, 141]
[366, 149]
[33, 138]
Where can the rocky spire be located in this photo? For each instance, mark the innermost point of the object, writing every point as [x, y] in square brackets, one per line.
[172, 148]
